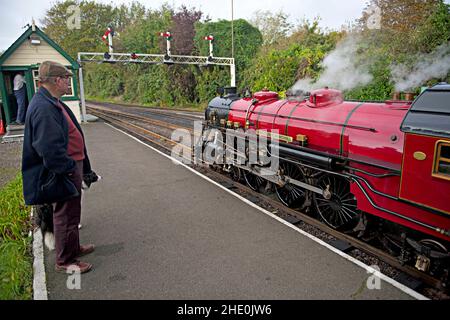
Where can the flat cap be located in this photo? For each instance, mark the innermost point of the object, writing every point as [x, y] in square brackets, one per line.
[51, 69]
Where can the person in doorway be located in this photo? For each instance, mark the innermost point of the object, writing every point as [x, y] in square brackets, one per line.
[55, 163]
[20, 93]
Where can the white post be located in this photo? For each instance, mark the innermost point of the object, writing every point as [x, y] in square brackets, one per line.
[168, 46]
[110, 43]
[232, 29]
[210, 48]
[83, 101]
[233, 74]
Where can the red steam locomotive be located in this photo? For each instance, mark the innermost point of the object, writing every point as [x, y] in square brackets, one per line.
[377, 168]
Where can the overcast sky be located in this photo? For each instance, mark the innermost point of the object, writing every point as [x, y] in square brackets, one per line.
[14, 14]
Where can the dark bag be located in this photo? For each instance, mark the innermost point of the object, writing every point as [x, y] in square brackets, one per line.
[44, 217]
[90, 178]
[56, 188]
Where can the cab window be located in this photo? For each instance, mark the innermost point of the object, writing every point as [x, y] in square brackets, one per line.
[442, 160]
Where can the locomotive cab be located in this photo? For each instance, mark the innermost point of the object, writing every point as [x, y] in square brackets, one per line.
[425, 177]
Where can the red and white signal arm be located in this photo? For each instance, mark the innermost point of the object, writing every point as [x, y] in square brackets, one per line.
[108, 31]
[165, 34]
[209, 38]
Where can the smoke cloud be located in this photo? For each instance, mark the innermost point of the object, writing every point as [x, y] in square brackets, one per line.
[429, 66]
[340, 69]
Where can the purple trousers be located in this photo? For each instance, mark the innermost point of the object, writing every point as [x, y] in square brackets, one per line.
[66, 217]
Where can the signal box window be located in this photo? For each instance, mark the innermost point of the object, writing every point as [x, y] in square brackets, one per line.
[36, 80]
[442, 160]
[36, 83]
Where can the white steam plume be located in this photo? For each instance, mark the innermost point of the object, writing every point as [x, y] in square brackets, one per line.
[433, 65]
[340, 69]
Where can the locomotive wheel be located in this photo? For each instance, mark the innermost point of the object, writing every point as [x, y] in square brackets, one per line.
[235, 174]
[291, 195]
[434, 245]
[339, 212]
[253, 181]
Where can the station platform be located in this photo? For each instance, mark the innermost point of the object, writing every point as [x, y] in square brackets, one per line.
[163, 232]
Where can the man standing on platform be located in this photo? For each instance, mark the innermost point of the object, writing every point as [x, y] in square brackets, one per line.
[54, 163]
[20, 92]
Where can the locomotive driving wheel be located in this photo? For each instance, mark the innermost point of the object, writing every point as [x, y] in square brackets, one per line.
[291, 195]
[339, 212]
[255, 182]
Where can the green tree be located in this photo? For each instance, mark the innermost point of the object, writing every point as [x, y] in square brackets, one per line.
[407, 30]
[95, 18]
[278, 66]
[407, 26]
[142, 34]
[274, 27]
[247, 41]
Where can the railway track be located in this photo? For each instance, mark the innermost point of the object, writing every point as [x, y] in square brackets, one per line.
[158, 133]
[176, 117]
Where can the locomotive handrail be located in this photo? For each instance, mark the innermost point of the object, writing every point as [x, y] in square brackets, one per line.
[252, 103]
[384, 175]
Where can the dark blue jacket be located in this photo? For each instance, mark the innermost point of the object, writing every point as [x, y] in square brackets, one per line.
[45, 163]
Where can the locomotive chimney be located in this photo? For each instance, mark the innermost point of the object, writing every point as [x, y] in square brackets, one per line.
[396, 96]
[409, 96]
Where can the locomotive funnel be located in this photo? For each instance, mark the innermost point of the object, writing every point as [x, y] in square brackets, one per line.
[396, 96]
[409, 96]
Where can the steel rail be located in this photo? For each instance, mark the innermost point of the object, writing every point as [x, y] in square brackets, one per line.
[140, 118]
[173, 113]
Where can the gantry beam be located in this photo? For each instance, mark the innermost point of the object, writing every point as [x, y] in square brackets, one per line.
[153, 59]
[127, 58]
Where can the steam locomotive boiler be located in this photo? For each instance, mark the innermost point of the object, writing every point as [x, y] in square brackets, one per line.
[377, 168]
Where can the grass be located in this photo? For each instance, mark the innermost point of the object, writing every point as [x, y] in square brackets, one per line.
[16, 262]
